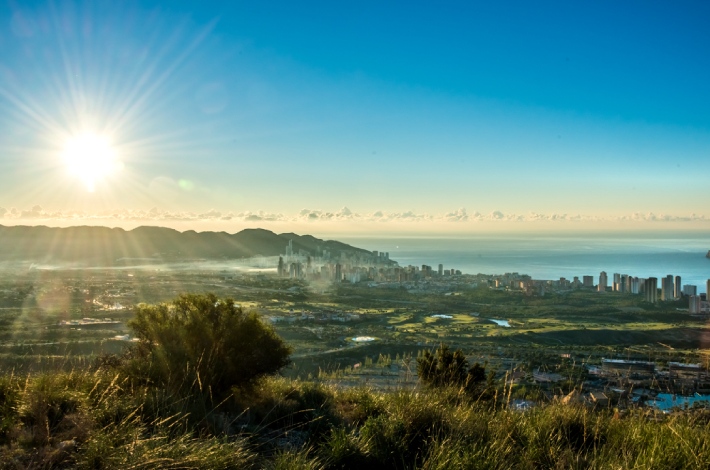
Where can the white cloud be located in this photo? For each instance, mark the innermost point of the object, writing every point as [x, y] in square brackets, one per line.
[459, 216]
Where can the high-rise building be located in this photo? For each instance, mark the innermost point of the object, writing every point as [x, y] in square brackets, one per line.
[707, 289]
[441, 270]
[690, 290]
[601, 287]
[588, 281]
[694, 304]
[650, 289]
[281, 267]
[634, 281]
[616, 283]
[667, 288]
[338, 273]
[676, 288]
[625, 287]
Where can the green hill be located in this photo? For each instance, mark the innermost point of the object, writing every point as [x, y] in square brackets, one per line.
[103, 246]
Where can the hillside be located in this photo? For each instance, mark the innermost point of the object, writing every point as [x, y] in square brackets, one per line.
[103, 246]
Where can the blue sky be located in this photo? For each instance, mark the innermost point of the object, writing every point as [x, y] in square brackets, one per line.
[281, 110]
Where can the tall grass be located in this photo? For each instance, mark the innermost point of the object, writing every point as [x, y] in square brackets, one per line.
[104, 419]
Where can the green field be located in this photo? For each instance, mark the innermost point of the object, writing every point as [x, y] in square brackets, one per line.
[320, 321]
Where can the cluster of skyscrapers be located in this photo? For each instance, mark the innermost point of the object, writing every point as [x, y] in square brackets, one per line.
[671, 288]
[338, 266]
[376, 266]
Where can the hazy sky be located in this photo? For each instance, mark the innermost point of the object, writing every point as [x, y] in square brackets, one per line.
[224, 114]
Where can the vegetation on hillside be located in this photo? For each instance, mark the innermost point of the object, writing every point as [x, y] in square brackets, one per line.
[198, 391]
[99, 420]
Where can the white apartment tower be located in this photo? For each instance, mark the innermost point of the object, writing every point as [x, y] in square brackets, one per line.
[602, 282]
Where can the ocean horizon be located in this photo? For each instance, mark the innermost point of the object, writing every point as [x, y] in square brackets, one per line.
[550, 258]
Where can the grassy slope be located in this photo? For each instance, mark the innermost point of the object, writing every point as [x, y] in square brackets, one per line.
[101, 420]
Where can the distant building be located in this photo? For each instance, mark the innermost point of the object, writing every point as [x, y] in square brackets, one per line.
[697, 305]
[676, 288]
[588, 281]
[281, 267]
[627, 368]
[690, 290]
[441, 270]
[635, 287]
[603, 281]
[295, 270]
[667, 287]
[650, 288]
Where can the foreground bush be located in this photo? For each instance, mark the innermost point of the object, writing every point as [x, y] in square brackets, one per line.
[204, 343]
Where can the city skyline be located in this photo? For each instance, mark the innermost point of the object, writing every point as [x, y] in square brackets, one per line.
[448, 119]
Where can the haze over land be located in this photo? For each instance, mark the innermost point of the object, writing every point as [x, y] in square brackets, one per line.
[371, 118]
[101, 246]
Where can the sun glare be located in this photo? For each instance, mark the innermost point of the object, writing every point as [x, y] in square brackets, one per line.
[91, 158]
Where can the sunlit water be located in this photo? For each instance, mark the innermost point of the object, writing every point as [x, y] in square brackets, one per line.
[552, 258]
[667, 401]
[363, 339]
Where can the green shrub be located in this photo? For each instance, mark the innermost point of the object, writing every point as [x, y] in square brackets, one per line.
[204, 344]
[44, 405]
[341, 450]
[9, 398]
[401, 435]
[282, 406]
[356, 405]
[295, 460]
[444, 368]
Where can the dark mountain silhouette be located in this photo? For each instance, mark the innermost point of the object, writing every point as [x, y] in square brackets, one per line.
[114, 246]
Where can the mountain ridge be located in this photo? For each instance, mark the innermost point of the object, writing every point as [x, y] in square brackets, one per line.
[107, 246]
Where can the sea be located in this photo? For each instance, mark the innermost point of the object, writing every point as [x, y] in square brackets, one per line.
[552, 257]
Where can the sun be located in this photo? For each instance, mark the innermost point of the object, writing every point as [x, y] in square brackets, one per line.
[91, 158]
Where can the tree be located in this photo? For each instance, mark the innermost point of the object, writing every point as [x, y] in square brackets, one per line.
[203, 342]
[444, 368]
